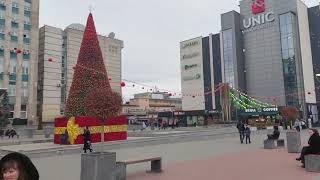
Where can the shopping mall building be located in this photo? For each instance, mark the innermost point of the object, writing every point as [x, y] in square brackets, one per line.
[270, 51]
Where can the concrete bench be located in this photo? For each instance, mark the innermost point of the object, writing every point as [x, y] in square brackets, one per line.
[280, 143]
[121, 166]
[271, 143]
[312, 162]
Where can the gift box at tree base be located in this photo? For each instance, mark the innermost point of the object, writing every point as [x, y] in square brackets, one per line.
[114, 128]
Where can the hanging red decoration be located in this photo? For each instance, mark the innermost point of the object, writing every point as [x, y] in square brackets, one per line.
[110, 78]
[50, 59]
[122, 84]
[19, 51]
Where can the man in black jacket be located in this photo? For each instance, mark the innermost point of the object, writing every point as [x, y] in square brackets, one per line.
[313, 148]
[241, 128]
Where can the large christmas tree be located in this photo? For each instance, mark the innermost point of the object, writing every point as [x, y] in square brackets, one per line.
[90, 93]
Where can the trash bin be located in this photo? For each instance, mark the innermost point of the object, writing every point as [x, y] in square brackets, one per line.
[29, 132]
[47, 132]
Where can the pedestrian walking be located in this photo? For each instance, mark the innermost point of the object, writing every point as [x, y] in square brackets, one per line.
[241, 128]
[247, 133]
[86, 140]
[297, 125]
[309, 123]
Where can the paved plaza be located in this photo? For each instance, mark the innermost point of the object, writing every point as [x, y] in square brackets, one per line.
[211, 157]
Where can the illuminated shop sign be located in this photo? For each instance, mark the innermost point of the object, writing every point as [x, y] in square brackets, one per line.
[187, 67]
[266, 109]
[190, 44]
[258, 20]
[190, 78]
[189, 56]
[257, 6]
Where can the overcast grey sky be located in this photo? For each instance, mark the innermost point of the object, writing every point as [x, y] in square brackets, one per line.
[151, 31]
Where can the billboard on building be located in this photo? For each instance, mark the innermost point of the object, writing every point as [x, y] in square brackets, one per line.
[192, 86]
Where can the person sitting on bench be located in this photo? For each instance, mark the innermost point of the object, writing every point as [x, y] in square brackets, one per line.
[11, 133]
[313, 148]
[64, 137]
[275, 135]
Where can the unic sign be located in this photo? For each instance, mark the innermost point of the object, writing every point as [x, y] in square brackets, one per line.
[258, 20]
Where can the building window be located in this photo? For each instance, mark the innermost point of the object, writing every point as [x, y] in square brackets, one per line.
[27, 26]
[2, 22]
[1, 64]
[12, 66]
[15, 10]
[24, 89]
[26, 20]
[14, 38]
[26, 56]
[2, 5]
[12, 90]
[26, 40]
[288, 39]
[23, 114]
[228, 57]
[25, 67]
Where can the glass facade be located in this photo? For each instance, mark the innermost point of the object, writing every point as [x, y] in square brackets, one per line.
[228, 57]
[288, 39]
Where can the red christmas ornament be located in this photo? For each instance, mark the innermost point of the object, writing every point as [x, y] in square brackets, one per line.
[50, 59]
[110, 78]
[19, 51]
[122, 84]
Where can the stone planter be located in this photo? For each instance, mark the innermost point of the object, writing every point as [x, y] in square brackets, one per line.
[98, 166]
[293, 141]
[29, 132]
[47, 131]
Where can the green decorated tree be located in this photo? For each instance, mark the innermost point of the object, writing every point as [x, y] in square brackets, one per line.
[4, 109]
[90, 93]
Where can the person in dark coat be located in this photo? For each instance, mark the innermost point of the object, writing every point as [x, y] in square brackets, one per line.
[17, 166]
[247, 133]
[313, 148]
[241, 128]
[276, 133]
[86, 140]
